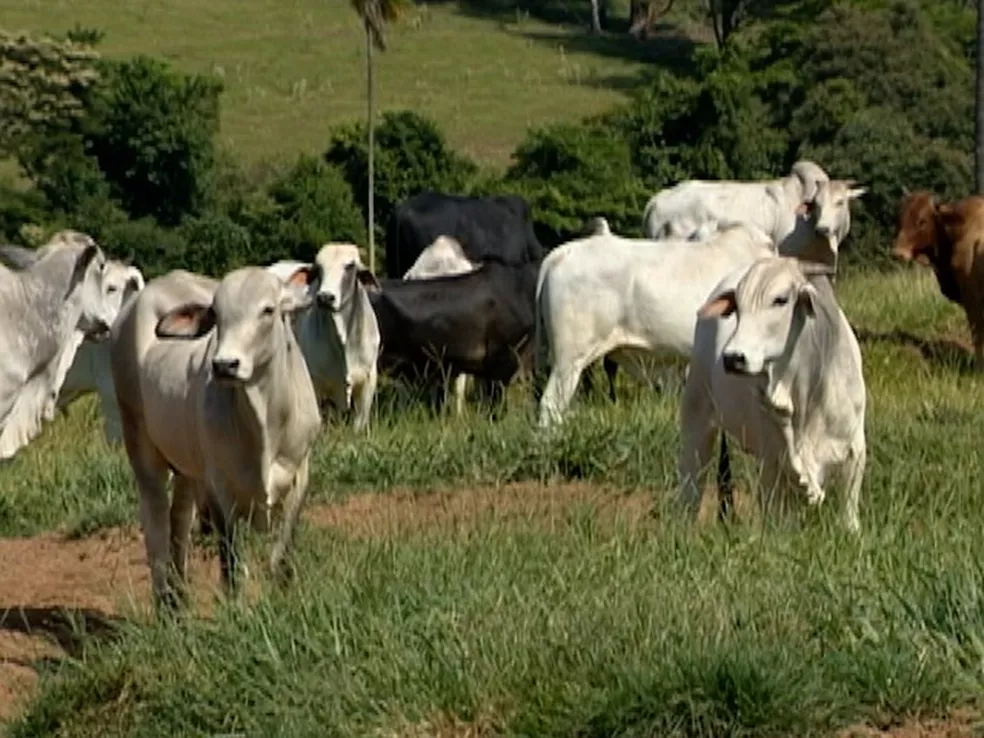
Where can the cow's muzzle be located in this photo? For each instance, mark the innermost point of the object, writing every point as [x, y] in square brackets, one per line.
[325, 300]
[226, 369]
[98, 332]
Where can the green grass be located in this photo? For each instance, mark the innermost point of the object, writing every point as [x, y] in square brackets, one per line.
[578, 628]
[294, 69]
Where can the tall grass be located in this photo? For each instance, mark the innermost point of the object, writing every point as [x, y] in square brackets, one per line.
[582, 628]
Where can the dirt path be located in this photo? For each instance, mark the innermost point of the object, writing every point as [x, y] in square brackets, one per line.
[50, 586]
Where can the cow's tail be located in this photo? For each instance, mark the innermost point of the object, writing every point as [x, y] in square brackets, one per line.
[725, 483]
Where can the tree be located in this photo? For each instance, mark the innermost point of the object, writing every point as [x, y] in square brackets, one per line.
[979, 100]
[43, 85]
[374, 14]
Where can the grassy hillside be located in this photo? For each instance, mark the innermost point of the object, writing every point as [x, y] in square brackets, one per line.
[292, 69]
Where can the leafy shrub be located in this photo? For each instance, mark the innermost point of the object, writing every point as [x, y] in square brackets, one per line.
[20, 209]
[303, 208]
[214, 244]
[155, 250]
[570, 173]
[155, 138]
[411, 155]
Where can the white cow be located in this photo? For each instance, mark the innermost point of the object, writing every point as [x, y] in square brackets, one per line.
[50, 302]
[212, 387]
[776, 365]
[695, 209]
[443, 258]
[633, 298]
[90, 370]
[338, 334]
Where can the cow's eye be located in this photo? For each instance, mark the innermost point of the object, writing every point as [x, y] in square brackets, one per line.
[267, 311]
[780, 301]
[111, 289]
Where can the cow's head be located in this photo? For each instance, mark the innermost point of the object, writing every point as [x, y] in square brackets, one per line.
[916, 234]
[247, 314]
[808, 176]
[829, 216]
[342, 272]
[88, 284]
[771, 302]
[120, 282]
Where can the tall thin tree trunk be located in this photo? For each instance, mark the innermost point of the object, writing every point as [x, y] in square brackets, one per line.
[979, 100]
[372, 153]
[596, 16]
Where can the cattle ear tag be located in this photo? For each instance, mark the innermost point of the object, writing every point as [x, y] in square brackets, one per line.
[720, 307]
[187, 321]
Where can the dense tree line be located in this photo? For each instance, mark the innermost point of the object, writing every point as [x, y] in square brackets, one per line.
[877, 90]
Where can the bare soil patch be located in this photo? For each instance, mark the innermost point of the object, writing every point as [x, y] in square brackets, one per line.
[53, 588]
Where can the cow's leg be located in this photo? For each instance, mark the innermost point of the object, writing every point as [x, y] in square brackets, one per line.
[560, 390]
[460, 383]
[852, 489]
[611, 369]
[280, 556]
[228, 555]
[151, 472]
[182, 515]
[698, 434]
[362, 397]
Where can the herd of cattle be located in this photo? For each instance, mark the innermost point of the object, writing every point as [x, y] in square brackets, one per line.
[216, 385]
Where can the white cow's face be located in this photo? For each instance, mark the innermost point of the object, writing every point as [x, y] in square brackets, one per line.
[831, 210]
[119, 283]
[247, 314]
[771, 303]
[98, 310]
[341, 271]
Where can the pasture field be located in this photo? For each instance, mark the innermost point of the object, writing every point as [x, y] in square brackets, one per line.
[294, 69]
[458, 577]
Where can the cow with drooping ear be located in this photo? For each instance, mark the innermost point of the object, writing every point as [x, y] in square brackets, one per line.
[339, 335]
[212, 386]
[777, 367]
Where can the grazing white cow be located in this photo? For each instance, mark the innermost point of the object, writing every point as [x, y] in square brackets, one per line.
[777, 366]
[90, 371]
[444, 258]
[212, 387]
[338, 334]
[695, 209]
[50, 302]
[633, 298]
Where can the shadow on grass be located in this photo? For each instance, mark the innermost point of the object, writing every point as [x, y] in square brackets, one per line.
[667, 45]
[943, 352]
[69, 627]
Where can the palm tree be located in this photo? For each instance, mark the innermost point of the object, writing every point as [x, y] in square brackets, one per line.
[375, 14]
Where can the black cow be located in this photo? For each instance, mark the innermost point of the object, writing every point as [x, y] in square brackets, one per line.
[480, 323]
[486, 227]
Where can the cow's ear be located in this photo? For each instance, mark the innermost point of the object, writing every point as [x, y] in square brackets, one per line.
[299, 288]
[188, 321]
[805, 299]
[719, 307]
[856, 192]
[368, 280]
[89, 253]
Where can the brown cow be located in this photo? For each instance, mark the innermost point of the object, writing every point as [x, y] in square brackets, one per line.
[950, 238]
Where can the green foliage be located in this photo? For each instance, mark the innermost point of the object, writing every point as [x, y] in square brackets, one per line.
[155, 141]
[411, 155]
[20, 209]
[570, 173]
[44, 83]
[301, 209]
[151, 247]
[215, 245]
